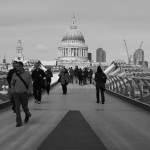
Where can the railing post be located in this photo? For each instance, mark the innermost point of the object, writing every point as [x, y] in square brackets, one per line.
[120, 85]
[126, 90]
[141, 94]
[132, 89]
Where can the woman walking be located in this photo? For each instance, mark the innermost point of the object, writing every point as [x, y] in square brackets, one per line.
[49, 75]
[64, 79]
[100, 79]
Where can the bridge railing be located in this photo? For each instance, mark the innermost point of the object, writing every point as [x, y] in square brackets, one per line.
[135, 88]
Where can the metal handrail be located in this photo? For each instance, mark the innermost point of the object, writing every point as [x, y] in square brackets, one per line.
[131, 87]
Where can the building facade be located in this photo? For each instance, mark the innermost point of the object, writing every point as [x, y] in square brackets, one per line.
[72, 51]
[138, 56]
[100, 55]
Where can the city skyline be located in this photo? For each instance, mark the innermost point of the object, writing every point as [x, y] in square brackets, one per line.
[41, 24]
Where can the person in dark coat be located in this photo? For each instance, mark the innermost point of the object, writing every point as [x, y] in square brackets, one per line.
[8, 78]
[85, 75]
[76, 74]
[49, 75]
[90, 74]
[80, 76]
[100, 79]
[38, 82]
[71, 74]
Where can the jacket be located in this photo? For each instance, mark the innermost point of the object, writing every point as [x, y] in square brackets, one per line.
[100, 79]
[64, 78]
[17, 86]
[38, 77]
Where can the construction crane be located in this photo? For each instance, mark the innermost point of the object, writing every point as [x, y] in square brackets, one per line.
[141, 45]
[129, 56]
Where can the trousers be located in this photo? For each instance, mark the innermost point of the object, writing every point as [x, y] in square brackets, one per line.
[21, 99]
[102, 95]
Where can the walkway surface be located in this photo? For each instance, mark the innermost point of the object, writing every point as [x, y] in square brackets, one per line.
[117, 124]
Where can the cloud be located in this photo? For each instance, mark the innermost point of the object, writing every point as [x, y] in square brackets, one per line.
[41, 48]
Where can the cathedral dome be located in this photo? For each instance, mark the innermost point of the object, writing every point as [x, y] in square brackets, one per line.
[73, 34]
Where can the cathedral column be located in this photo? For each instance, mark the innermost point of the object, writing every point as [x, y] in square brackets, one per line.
[60, 53]
[76, 52]
[71, 51]
[67, 51]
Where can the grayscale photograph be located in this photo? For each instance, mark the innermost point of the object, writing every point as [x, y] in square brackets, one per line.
[74, 75]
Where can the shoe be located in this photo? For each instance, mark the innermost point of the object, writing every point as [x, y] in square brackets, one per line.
[39, 102]
[27, 118]
[97, 102]
[35, 101]
[102, 102]
[18, 125]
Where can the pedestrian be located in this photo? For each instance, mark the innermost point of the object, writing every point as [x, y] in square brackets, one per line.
[100, 79]
[85, 75]
[8, 78]
[38, 76]
[64, 79]
[21, 87]
[80, 76]
[49, 75]
[76, 74]
[90, 74]
[71, 74]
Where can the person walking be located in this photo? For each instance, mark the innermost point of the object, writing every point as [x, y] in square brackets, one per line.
[64, 79]
[49, 75]
[76, 74]
[100, 79]
[80, 76]
[90, 74]
[21, 87]
[71, 74]
[38, 82]
[8, 78]
[85, 75]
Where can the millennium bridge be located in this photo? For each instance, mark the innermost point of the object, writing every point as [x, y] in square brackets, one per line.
[76, 122]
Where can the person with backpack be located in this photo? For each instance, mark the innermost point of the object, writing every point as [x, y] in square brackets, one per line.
[21, 87]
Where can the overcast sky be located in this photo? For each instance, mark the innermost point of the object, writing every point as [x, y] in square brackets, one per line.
[41, 24]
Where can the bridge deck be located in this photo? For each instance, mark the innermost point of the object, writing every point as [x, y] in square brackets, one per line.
[118, 124]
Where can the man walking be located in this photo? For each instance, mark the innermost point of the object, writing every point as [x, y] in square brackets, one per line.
[21, 86]
[38, 81]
